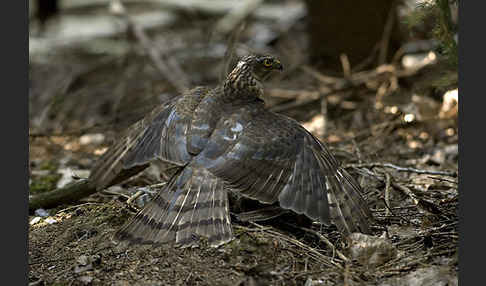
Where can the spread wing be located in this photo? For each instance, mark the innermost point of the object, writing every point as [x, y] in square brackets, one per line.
[272, 158]
[159, 136]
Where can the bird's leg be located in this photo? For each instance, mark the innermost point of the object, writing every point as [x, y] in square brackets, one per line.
[134, 197]
[150, 191]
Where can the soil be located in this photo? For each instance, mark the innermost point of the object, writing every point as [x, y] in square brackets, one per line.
[78, 248]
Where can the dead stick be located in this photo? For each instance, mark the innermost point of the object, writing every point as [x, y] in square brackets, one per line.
[230, 51]
[403, 169]
[345, 65]
[343, 84]
[67, 194]
[326, 241]
[420, 203]
[385, 40]
[443, 180]
[317, 255]
[294, 104]
[387, 193]
[170, 70]
[237, 15]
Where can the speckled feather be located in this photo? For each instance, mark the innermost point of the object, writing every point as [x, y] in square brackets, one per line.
[223, 139]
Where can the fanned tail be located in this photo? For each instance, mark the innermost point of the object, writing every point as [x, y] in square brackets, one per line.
[193, 205]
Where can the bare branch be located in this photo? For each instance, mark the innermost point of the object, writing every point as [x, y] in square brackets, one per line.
[237, 15]
[169, 68]
[67, 194]
[403, 169]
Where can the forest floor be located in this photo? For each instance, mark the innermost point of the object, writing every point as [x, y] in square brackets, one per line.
[399, 139]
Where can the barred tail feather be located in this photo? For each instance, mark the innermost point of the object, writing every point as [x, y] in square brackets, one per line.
[192, 205]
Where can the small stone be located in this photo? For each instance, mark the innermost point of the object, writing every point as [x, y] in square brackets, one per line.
[79, 269]
[41, 212]
[50, 220]
[96, 138]
[370, 250]
[83, 260]
[430, 276]
[35, 220]
[310, 282]
[85, 279]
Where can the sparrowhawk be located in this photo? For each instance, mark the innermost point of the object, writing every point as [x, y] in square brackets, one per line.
[224, 139]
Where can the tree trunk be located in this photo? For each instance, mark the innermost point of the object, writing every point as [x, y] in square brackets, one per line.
[352, 27]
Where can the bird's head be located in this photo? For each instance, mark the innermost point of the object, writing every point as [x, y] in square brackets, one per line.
[260, 66]
[251, 70]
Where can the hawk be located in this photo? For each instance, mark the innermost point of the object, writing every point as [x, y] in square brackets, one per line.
[224, 139]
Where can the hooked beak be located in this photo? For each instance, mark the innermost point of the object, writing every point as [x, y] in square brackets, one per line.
[277, 65]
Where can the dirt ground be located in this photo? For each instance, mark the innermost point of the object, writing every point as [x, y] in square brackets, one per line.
[72, 246]
[401, 145]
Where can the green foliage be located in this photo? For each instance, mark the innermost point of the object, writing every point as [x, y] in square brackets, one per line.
[48, 166]
[422, 12]
[445, 80]
[443, 27]
[48, 182]
[44, 183]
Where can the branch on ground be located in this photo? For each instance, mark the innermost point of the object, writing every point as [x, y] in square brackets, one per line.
[65, 195]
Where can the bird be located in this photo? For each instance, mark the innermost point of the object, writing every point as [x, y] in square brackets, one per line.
[223, 139]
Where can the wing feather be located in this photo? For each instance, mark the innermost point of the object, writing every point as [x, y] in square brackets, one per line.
[161, 135]
[278, 160]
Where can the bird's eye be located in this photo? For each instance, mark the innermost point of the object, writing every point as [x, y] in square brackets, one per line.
[267, 62]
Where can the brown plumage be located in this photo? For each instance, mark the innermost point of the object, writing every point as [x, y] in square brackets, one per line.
[220, 140]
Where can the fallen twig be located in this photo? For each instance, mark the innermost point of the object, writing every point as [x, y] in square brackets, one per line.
[385, 39]
[170, 69]
[77, 206]
[112, 193]
[387, 194]
[237, 15]
[421, 203]
[230, 50]
[443, 180]
[336, 84]
[267, 11]
[403, 169]
[316, 255]
[67, 194]
[327, 242]
[345, 65]
[72, 133]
